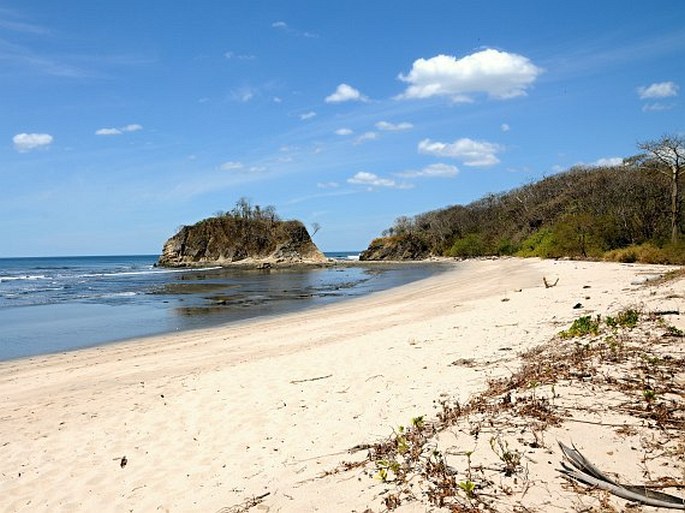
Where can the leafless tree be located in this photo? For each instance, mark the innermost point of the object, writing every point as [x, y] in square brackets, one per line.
[668, 153]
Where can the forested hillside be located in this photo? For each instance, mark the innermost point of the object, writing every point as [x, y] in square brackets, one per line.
[619, 213]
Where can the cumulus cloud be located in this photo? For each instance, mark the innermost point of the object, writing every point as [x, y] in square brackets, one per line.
[373, 180]
[308, 115]
[344, 131]
[26, 142]
[505, 127]
[133, 127]
[438, 170]
[472, 153]
[658, 90]
[279, 24]
[231, 166]
[500, 75]
[393, 127]
[345, 93]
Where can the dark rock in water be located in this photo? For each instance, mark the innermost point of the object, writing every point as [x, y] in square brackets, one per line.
[231, 239]
[406, 247]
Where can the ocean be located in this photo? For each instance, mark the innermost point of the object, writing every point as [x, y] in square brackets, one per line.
[57, 304]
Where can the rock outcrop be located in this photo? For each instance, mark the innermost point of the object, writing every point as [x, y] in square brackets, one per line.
[231, 239]
[396, 248]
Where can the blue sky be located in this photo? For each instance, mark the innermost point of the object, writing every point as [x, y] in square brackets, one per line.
[120, 121]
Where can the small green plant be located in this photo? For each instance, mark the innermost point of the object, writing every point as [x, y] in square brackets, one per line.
[510, 458]
[582, 326]
[625, 319]
[649, 394]
[468, 487]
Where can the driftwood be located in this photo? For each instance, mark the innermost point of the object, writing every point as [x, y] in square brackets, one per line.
[295, 381]
[549, 285]
[582, 471]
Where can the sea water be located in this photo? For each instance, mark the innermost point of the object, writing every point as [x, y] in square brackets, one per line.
[57, 304]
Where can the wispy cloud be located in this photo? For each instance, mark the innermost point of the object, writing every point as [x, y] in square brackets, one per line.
[26, 142]
[394, 127]
[233, 56]
[344, 131]
[438, 170]
[133, 127]
[231, 165]
[283, 26]
[366, 136]
[328, 185]
[307, 115]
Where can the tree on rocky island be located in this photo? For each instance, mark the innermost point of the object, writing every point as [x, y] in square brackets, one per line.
[667, 155]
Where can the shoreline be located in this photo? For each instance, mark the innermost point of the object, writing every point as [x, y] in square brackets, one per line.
[210, 418]
[185, 300]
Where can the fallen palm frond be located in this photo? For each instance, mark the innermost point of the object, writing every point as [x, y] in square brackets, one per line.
[582, 471]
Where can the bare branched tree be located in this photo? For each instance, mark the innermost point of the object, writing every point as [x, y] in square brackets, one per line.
[668, 153]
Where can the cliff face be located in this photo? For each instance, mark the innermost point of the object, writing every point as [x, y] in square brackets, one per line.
[227, 239]
[396, 248]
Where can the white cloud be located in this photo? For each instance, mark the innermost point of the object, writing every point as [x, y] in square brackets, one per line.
[133, 127]
[239, 56]
[26, 142]
[393, 127]
[366, 136]
[438, 170]
[373, 180]
[658, 90]
[231, 166]
[609, 162]
[345, 93]
[243, 94]
[500, 75]
[344, 131]
[328, 185]
[655, 107]
[472, 153]
[308, 115]
[505, 127]
[277, 99]
[108, 131]
[282, 25]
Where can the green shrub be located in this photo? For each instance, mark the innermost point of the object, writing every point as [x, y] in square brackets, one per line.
[585, 325]
[625, 319]
[539, 244]
[649, 253]
[469, 246]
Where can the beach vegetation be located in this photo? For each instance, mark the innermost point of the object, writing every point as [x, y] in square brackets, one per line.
[582, 326]
[627, 318]
[624, 213]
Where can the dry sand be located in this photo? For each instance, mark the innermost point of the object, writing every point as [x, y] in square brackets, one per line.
[208, 419]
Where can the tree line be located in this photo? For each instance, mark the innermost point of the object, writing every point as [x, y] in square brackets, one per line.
[629, 212]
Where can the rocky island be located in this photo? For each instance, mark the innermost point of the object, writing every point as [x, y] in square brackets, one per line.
[245, 235]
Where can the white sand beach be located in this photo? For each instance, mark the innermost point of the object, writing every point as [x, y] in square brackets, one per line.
[208, 419]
